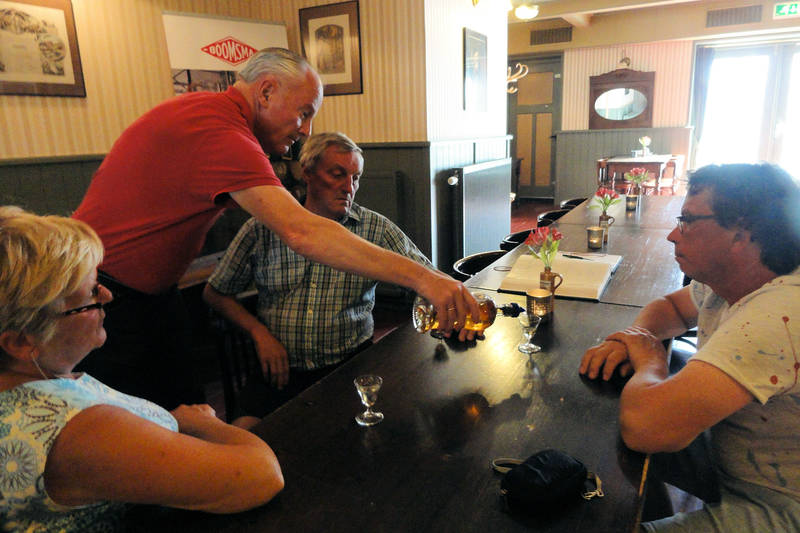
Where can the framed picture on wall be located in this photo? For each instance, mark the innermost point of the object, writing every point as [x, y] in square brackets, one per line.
[331, 41]
[475, 71]
[39, 49]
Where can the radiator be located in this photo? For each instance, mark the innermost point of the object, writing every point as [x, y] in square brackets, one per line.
[481, 206]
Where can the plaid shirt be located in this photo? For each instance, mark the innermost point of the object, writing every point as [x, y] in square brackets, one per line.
[319, 314]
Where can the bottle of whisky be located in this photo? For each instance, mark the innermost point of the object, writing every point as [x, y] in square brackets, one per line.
[423, 314]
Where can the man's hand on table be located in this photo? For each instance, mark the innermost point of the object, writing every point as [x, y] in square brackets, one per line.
[623, 351]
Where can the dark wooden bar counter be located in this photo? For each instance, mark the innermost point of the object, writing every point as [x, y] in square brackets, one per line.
[655, 212]
[427, 466]
[647, 271]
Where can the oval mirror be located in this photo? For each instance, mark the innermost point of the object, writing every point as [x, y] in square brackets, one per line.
[620, 104]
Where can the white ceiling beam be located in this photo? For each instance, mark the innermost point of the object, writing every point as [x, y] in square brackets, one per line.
[581, 21]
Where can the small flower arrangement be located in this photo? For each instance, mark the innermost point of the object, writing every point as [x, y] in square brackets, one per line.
[637, 175]
[605, 198]
[645, 142]
[543, 244]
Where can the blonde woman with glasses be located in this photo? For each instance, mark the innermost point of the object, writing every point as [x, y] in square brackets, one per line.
[74, 452]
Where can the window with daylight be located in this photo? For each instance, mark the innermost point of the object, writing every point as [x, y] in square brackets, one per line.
[746, 104]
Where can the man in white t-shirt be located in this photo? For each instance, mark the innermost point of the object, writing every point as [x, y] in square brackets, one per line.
[738, 238]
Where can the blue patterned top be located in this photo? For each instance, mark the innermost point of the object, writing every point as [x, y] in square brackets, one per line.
[31, 417]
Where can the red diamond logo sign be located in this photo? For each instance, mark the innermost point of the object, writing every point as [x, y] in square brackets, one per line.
[230, 50]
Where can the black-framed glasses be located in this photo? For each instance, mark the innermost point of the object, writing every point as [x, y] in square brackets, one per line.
[84, 308]
[682, 220]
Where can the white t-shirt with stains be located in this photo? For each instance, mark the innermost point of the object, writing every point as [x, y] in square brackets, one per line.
[757, 343]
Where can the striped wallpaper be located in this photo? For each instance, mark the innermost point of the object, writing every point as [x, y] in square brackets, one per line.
[445, 21]
[406, 44]
[671, 60]
[126, 71]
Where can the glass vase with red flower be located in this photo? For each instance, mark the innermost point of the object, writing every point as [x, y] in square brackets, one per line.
[636, 176]
[603, 199]
[543, 244]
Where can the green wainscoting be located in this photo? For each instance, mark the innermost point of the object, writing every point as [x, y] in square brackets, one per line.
[407, 182]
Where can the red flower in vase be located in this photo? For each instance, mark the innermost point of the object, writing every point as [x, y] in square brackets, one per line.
[605, 198]
[637, 175]
[543, 244]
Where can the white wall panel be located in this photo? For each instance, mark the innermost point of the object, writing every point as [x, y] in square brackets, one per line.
[671, 61]
[445, 21]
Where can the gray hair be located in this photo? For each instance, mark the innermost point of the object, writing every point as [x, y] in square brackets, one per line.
[316, 145]
[279, 62]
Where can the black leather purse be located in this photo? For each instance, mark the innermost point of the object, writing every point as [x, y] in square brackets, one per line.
[544, 478]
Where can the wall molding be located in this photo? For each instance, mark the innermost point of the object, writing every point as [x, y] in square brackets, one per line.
[51, 160]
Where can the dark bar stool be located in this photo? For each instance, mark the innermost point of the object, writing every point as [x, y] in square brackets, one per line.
[551, 216]
[512, 240]
[572, 203]
[468, 266]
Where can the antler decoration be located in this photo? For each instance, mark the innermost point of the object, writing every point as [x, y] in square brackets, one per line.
[520, 72]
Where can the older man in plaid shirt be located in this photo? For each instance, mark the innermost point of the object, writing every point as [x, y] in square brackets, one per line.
[310, 316]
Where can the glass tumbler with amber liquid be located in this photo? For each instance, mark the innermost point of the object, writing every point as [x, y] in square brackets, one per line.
[424, 318]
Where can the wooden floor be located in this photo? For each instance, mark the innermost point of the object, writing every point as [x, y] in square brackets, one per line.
[524, 213]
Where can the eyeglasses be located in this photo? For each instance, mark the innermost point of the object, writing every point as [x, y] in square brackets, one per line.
[84, 308]
[682, 220]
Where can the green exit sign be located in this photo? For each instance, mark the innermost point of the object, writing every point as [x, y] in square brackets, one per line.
[786, 10]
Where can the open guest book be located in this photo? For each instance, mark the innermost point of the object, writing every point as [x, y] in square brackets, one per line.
[583, 278]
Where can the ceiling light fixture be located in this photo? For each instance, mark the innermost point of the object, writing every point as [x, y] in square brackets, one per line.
[526, 11]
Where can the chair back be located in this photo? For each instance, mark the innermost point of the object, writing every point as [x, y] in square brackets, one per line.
[466, 267]
[237, 355]
[603, 179]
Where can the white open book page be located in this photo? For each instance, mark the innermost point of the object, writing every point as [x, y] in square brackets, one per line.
[583, 278]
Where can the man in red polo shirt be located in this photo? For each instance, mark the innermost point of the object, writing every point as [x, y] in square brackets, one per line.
[167, 179]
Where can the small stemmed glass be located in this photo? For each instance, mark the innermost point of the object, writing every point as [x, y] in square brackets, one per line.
[367, 387]
[530, 323]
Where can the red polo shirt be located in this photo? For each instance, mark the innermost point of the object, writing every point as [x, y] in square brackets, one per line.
[157, 192]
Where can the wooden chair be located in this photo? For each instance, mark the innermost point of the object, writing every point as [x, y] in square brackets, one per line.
[468, 266]
[236, 353]
[603, 179]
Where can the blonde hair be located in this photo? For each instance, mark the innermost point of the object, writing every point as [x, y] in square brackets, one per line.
[43, 259]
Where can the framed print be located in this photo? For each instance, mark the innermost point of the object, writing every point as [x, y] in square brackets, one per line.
[475, 71]
[331, 42]
[38, 49]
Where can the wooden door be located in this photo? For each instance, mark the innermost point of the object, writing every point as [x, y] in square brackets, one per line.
[534, 115]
